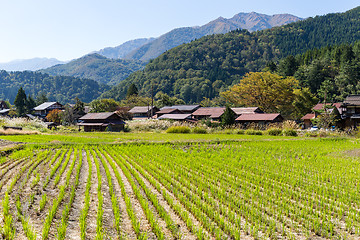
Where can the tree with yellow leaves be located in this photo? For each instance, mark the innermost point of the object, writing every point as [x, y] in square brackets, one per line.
[268, 91]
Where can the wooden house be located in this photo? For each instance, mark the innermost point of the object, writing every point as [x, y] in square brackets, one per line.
[350, 111]
[177, 117]
[246, 110]
[212, 113]
[318, 110]
[184, 108]
[105, 121]
[3, 105]
[307, 120]
[143, 112]
[43, 109]
[168, 111]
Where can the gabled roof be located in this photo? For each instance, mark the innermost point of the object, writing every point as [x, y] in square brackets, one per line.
[175, 116]
[167, 110]
[244, 110]
[45, 105]
[308, 116]
[186, 107]
[258, 117]
[212, 112]
[320, 106]
[352, 100]
[98, 116]
[144, 109]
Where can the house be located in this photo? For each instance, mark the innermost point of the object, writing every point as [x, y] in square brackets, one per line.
[43, 109]
[317, 110]
[307, 119]
[3, 105]
[212, 113]
[4, 110]
[184, 108]
[350, 111]
[246, 110]
[178, 117]
[143, 112]
[168, 111]
[261, 118]
[105, 121]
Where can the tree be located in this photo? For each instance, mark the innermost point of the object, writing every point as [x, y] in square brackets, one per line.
[303, 102]
[162, 99]
[68, 116]
[268, 91]
[20, 102]
[41, 98]
[132, 90]
[30, 104]
[104, 105]
[228, 118]
[134, 100]
[79, 108]
[54, 116]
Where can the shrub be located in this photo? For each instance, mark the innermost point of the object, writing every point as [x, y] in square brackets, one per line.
[274, 132]
[241, 131]
[178, 129]
[290, 132]
[253, 132]
[311, 134]
[199, 130]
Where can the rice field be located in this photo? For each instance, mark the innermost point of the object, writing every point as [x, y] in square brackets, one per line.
[251, 189]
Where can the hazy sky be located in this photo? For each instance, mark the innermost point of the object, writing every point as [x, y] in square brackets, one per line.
[67, 29]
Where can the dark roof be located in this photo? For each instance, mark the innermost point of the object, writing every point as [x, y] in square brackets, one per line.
[243, 110]
[45, 105]
[186, 107]
[97, 116]
[167, 110]
[141, 109]
[212, 112]
[308, 116]
[320, 106]
[352, 100]
[258, 117]
[175, 116]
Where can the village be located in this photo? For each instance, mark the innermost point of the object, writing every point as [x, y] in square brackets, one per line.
[339, 115]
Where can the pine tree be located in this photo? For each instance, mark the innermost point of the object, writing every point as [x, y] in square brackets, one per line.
[20, 102]
[228, 118]
[132, 90]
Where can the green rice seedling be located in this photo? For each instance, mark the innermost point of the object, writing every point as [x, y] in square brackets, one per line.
[7, 230]
[178, 129]
[85, 210]
[42, 202]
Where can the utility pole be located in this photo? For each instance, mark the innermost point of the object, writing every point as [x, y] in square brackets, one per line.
[152, 98]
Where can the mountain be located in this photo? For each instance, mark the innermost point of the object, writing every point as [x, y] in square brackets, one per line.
[29, 64]
[60, 88]
[209, 65]
[251, 21]
[98, 68]
[123, 49]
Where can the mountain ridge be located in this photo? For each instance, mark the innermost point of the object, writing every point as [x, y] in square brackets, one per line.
[31, 64]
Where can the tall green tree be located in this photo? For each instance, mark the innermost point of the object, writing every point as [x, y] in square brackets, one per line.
[30, 104]
[41, 98]
[20, 102]
[228, 118]
[132, 90]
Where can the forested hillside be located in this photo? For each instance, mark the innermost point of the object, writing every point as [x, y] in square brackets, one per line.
[62, 89]
[208, 65]
[98, 68]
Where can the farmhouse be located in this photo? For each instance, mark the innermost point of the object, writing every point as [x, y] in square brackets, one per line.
[350, 111]
[4, 110]
[212, 113]
[43, 109]
[178, 117]
[246, 110]
[262, 118]
[143, 112]
[168, 111]
[317, 110]
[183, 108]
[106, 121]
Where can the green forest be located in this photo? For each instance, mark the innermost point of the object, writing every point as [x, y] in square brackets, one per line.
[59, 88]
[209, 65]
[96, 67]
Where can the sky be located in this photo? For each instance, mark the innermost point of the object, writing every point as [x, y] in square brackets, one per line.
[68, 29]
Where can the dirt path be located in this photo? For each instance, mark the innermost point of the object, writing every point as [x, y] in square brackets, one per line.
[73, 228]
[91, 218]
[126, 225]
